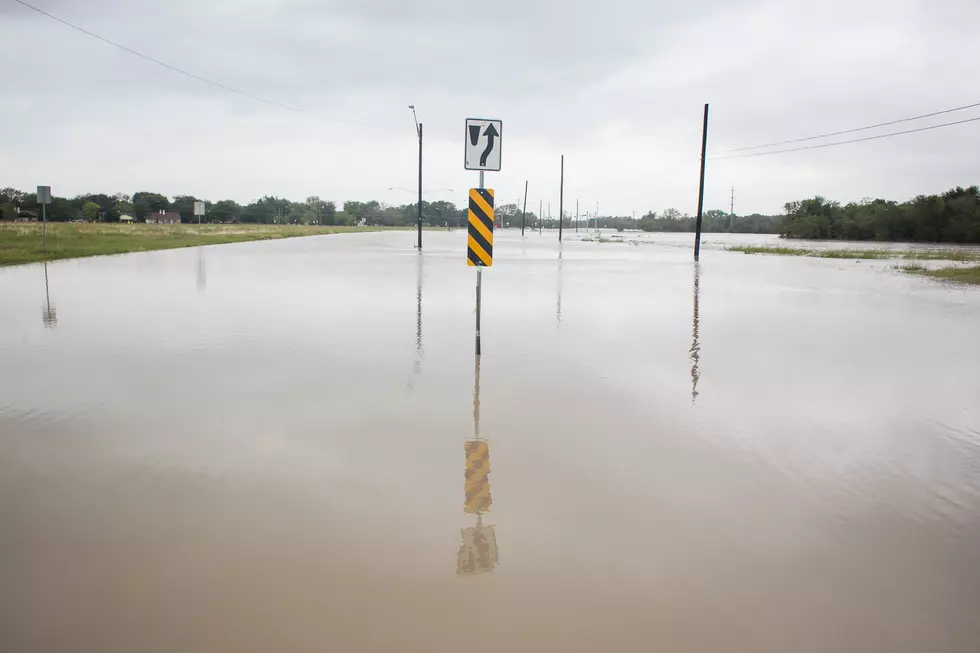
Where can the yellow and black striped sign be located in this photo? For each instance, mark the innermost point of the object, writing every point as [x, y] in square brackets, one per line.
[477, 477]
[479, 248]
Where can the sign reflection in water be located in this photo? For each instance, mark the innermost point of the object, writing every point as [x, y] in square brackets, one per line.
[478, 549]
[49, 314]
[202, 270]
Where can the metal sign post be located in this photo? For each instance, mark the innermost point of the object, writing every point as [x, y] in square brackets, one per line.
[481, 152]
[44, 198]
[479, 246]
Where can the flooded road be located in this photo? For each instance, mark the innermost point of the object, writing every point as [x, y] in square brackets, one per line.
[281, 445]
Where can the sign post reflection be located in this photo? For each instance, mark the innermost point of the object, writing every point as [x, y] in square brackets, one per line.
[478, 548]
[49, 315]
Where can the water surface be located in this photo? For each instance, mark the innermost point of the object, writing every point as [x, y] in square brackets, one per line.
[260, 447]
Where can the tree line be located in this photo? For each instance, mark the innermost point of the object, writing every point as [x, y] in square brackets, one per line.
[713, 221]
[953, 216]
[101, 207]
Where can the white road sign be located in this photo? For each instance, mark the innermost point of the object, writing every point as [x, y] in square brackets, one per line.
[483, 139]
[198, 207]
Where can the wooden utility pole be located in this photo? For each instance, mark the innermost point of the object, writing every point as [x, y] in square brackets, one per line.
[697, 227]
[731, 212]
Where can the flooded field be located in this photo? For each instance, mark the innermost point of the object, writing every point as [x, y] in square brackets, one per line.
[272, 446]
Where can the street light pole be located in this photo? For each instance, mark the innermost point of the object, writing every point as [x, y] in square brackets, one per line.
[418, 129]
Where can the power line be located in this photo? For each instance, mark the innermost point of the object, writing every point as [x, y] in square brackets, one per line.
[646, 175]
[849, 131]
[175, 69]
[853, 140]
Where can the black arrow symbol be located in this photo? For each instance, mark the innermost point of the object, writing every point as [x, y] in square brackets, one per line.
[490, 133]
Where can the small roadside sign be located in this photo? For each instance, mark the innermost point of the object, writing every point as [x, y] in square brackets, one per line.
[198, 207]
[479, 244]
[483, 141]
[43, 194]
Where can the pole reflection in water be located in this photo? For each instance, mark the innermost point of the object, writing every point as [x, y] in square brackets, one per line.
[202, 270]
[419, 351]
[558, 307]
[49, 314]
[478, 549]
[695, 353]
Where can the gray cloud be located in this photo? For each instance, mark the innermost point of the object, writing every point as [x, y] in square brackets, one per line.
[616, 86]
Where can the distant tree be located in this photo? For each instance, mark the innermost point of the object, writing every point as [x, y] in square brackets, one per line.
[145, 202]
[90, 211]
[107, 206]
[12, 196]
[316, 211]
[353, 209]
[269, 210]
[224, 211]
[184, 204]
[61, 209]
[442, 213]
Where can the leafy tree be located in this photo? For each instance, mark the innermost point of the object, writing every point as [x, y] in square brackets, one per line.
[123, 204]
[224, 211]
[316, 211]
[268, 210]
[90, 211]
[184, 204]
[953, 217]
[12, 196]
[145, 202]
[61, 209]
[107, 206]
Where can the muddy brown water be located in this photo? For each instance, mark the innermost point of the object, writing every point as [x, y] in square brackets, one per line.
[260, 447]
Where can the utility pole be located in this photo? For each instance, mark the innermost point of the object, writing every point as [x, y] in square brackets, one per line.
[524, 212]
[576, 216]
[420, 185]
[418, 129]
[697, 227]
[731, 212]
[561, 199]
[597, 218]
[540, 216]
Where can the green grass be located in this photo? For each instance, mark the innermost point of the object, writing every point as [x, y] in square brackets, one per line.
[910, 267]
[909, 254]
[22, 242]
[963, 275]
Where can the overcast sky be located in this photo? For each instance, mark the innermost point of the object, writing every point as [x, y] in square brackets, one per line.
[616, 86]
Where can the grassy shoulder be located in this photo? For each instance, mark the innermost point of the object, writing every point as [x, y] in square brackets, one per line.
[970, 274]
[963, 274]
[22, 242]
[909, 254]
